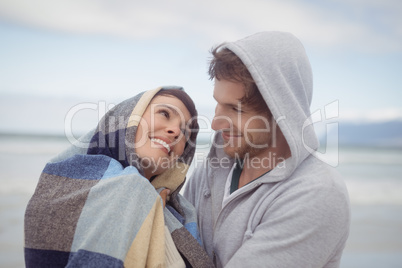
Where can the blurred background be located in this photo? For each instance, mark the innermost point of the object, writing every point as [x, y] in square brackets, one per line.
[63, 64]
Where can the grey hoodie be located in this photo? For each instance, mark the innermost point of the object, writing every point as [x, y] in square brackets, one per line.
[298, 214]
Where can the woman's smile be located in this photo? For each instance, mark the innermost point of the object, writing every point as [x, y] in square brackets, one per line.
[161, 141]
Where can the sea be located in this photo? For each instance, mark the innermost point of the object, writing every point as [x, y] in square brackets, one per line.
[373, 177]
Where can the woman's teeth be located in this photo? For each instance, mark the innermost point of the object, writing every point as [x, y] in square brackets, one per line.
[163, 143]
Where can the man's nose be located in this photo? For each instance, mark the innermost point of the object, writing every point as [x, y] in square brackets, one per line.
[220, 121]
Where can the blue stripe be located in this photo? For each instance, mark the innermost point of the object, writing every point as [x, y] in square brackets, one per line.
[84, 258]
[85, 167]
[116, 169]
[121, 202]
[176, 214]
[193, 230]
[112, 144]
[45, 258]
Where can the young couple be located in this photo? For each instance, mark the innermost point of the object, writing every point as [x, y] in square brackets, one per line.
[260, 199]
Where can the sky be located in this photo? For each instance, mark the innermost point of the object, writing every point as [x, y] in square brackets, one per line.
[55, 55]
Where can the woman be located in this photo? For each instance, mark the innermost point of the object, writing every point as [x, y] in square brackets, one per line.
[97, 204]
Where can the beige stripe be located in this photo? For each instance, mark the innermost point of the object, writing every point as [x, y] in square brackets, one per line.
[171, 178]
[173, 258]
[141, 106]
[148, 247]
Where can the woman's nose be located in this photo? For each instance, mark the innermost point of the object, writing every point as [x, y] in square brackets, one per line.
[174, 131]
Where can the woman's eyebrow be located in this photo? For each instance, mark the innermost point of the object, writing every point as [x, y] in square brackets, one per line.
[170, 107]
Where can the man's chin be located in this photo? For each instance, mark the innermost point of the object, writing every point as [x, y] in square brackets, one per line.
[234, 152]
[243, 152]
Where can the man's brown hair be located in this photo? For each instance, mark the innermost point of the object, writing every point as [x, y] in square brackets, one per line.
[228, 66]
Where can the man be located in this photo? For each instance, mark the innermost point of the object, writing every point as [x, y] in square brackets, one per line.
[262, 199]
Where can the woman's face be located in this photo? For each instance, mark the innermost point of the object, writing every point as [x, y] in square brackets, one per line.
[162, 134]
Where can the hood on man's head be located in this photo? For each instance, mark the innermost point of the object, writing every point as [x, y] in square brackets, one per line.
[279, 65]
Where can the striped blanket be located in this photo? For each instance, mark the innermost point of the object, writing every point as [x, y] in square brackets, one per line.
[93, 207]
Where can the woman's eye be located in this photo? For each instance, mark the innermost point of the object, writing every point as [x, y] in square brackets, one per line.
[237, 110]
[165, 113]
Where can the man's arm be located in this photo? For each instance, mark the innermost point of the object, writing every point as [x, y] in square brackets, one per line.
[303, 228]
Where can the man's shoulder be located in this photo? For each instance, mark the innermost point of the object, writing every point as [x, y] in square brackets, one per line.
[316, 174]
[314, 166]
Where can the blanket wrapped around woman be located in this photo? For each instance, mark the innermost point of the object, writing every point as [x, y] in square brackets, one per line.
[93, 207]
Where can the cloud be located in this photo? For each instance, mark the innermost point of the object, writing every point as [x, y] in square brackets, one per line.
[356, 24]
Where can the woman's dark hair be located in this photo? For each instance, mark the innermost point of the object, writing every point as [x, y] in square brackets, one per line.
[188, 102]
